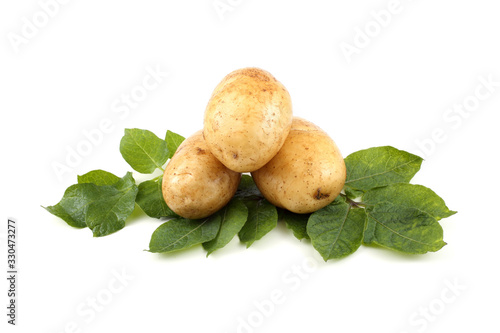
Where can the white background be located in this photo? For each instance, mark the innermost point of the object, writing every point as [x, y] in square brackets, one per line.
[69, 74]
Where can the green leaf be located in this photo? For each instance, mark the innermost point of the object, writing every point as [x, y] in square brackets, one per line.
[247, 188]
[113, 204]
[411, 196]
[404, 217]
[181, 233]
[143, 150]
[173, 142]
[233, 218]
[98, 177]
[402, 229]
[337, 229]
[297, 223]
[379, 166]
[74, 203]
[150, 199]
[262, 218]
[102, 208]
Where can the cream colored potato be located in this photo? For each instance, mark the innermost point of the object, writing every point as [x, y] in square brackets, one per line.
[308, 172]
[247, 119]
[195, 184]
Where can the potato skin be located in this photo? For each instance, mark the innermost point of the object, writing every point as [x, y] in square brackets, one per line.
[195, 184]
[247, 119]
[308, 172]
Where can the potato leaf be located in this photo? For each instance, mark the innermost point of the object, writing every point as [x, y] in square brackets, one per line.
[74, 203]
[297, 223]
[404, 217]
[337, 229]
[143, 150]
[247, 189]
[406, 230]
[379, 166]
[102, 208]
[113, 204]
[233, 218]
[98, 177]
[150, 199]
[173, 142]
[262, 218]
[409, 195]
[180, 233]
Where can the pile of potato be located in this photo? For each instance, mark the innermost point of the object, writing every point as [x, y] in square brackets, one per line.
[249, 127]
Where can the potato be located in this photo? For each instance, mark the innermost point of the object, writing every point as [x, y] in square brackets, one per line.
[247, 119]
[308, 172]
[195, 184]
